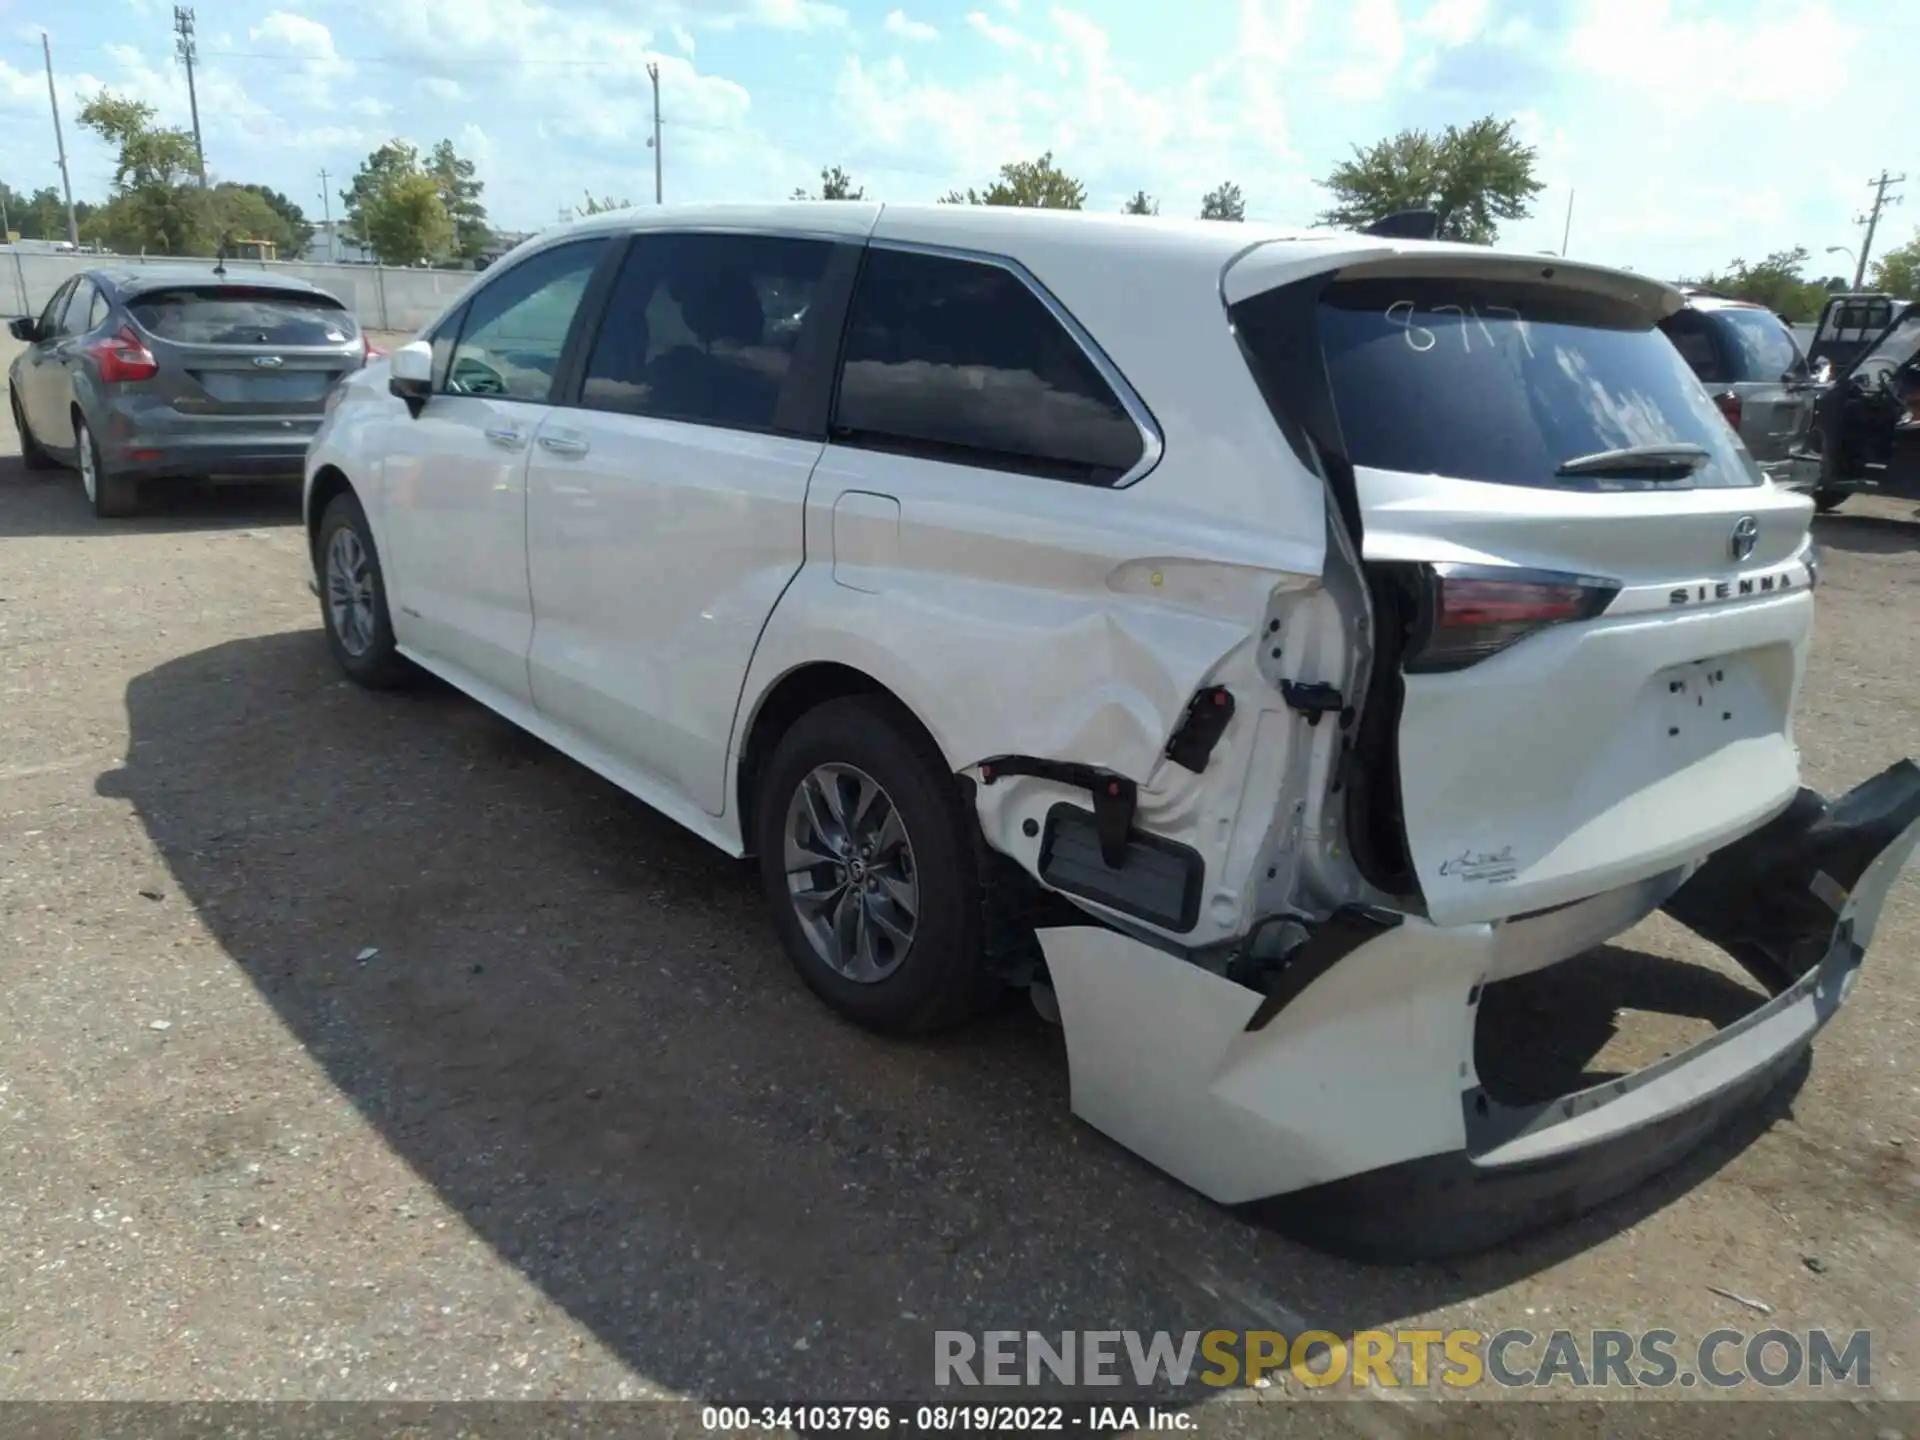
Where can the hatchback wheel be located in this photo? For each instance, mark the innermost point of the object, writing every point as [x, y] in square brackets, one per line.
[31, 453]
[353, 599]
[111, 496]
[866, 857]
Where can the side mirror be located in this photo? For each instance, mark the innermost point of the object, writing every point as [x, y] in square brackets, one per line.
[410, 373]
[25, 328]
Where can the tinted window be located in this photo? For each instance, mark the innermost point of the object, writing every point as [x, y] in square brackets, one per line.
[1505, 382]
[704, 327]
[73, 317]
[1692, 336]
[960, 360]
[517, 326]
[50, 317]
[1763, 349]
[443, 341]
[221, 315]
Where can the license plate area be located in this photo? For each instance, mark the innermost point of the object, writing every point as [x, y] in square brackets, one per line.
[265, 387]
[1701, 706]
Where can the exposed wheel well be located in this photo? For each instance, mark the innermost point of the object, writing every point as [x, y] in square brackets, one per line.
[328, 482]
[794, 695]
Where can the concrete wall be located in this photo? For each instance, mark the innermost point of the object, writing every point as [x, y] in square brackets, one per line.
[383, 297]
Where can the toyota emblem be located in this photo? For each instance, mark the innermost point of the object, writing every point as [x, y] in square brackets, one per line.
[1746, 535]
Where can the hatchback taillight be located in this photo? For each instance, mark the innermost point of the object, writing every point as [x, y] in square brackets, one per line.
[369, 350]
[1468, 612]
[1729, 404]
[123, 356]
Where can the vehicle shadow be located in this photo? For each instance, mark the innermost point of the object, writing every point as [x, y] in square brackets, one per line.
[51, 502]
[579, 1029]
[1867, 534]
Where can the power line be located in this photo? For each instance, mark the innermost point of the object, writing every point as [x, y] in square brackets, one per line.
[185, 48]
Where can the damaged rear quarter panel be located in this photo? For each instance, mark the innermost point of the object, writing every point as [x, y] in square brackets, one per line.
[1018, 616]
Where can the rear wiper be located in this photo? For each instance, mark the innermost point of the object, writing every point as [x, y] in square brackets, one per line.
[1655, 462]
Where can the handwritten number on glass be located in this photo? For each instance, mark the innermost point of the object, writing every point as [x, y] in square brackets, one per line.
[1421, 339]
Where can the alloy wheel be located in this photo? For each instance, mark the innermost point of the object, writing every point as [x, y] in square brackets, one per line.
[350, 592]
[89, 474]
[850, 873]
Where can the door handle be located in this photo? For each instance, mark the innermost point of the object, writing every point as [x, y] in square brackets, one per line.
[563, 444]
[507, 436]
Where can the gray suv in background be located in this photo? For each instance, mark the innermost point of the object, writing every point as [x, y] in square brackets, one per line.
[157, 372]
[1750, 361]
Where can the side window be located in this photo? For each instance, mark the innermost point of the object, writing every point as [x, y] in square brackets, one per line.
[50, 317]
[517, 326]
[97, 314]
[74, 318]
[960, 360]
[1692, 336]
[442, 342]
[703, 328]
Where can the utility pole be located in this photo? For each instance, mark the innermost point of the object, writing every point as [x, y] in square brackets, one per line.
[326, 215]
[66, 181]
[184, 47]
[653, 74]
[1871, 219]
[1567, 234]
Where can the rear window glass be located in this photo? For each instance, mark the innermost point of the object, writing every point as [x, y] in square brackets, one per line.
[243, 317]
[1762, 347]
[1504, 382]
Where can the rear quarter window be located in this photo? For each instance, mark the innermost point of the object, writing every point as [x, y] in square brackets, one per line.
[1505, 381]
[1760, 343]
[242, 317]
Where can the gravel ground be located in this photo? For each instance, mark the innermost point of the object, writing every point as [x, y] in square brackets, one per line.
[359, 1047]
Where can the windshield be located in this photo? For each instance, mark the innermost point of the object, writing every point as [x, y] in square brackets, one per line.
[1506, 381]
[238, 316]
[1898, 347]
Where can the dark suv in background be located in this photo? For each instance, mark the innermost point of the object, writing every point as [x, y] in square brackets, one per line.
[155, 372]
[1750, 360]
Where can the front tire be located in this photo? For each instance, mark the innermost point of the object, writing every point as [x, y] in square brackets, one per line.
[31, 454]
[353, 599]
[867, 861]
[113, 497]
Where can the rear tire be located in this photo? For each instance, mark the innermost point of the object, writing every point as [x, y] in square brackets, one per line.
[31, 454]
[112, 497]
[845, 882]
[1828, 501]
[353, 599]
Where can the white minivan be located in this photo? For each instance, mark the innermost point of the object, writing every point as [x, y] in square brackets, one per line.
[1256, 643]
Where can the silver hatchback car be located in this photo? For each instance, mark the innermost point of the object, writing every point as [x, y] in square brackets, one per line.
[1752, 363]
[150, 373]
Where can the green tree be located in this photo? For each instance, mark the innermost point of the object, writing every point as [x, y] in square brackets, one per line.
[1898, 271]
[835, 184]
[460, 190]
[1223, 202]
[1034, 184]
[152, 206]
[1775, 282]
[1141, 204]
[291, 231]
[1474, 178]
[406, 220]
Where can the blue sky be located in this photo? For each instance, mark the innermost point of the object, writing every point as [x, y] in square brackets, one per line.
[1690, 132]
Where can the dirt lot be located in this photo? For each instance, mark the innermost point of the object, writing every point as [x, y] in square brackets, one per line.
[356, 1046]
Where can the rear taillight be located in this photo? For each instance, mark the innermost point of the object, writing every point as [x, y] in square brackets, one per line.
[370, 351]
[1729, 404]
[1468, 612]
[123, 356]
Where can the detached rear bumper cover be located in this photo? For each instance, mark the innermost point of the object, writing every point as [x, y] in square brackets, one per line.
[1352, 1117]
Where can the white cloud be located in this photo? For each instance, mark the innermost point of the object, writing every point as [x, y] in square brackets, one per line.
[795, 14]
[898, 23]
[439, 87]
[682, 37]
[1373, 48]
[1452, 22]
[1005, 36]
[283, 30]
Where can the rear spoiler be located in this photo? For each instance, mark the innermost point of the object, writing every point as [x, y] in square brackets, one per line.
[1406, 225]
